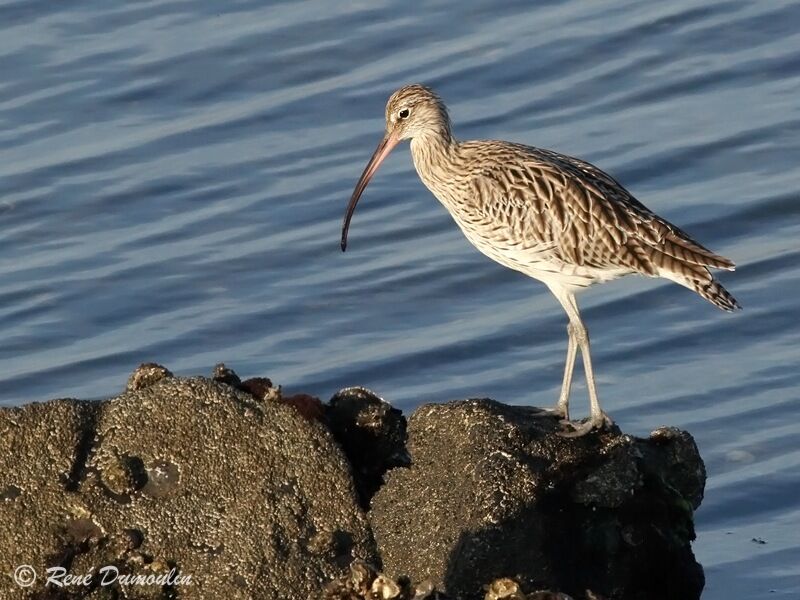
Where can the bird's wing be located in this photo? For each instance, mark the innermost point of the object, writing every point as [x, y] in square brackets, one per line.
[582, 216]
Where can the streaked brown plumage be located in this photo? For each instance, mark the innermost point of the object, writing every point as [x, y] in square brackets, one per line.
[553, 217]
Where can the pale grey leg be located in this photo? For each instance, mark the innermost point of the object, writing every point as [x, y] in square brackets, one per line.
[562, 408]
[578, 333]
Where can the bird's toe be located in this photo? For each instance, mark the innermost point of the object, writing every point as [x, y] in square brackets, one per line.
[572, 429]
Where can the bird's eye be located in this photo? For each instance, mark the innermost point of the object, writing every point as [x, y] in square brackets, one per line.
[403, 114]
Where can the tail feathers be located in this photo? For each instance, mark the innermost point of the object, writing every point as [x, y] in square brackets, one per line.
[687, 250]
[716, 294]
[706, 286]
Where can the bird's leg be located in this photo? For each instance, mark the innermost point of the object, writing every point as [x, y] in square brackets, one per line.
[597, 418]
[561, 409]
[580, 337]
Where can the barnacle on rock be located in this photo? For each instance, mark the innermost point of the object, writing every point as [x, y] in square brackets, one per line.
[503, 589]
[364, 582]
[145, 375]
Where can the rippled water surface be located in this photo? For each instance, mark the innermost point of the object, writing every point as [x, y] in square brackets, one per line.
[173, 176]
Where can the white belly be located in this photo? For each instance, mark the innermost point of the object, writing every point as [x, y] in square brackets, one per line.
[536, 262]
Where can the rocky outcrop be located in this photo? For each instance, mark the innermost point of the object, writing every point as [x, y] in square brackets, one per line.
[493, 491]
[227, 488]
[188, 476]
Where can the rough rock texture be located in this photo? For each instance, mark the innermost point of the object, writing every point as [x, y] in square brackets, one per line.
[249, 498]
[364, 582]
[42, 446]
[494, 492]
[372, 434]
[257, 495]
[147, 374]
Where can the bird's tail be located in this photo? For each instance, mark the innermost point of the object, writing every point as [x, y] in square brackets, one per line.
[701, 281]
[679, 258]
[716, 294]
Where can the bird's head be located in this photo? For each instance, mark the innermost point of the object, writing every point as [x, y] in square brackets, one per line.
[416, 111]
[413, 111]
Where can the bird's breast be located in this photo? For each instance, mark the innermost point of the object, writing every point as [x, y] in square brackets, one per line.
[503, 231]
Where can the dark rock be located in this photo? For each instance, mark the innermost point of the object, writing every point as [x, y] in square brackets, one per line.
[248, 498]
[493, 492]
[675, 455]
[308, 406]
[260, 388]
[372, 433]
[364, 582]
[223, 374]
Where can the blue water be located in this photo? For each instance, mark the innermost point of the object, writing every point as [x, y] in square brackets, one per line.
[173, 176]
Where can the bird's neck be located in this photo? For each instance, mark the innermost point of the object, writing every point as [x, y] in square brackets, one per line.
[433, 155]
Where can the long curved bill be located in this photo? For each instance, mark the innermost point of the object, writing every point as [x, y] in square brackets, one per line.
[387, 144]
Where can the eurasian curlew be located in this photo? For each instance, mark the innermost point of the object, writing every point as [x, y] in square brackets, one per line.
[556, 218]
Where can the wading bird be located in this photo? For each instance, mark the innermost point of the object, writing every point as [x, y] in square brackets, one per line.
[555, 218]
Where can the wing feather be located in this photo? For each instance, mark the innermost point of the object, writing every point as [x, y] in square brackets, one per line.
[577, 214]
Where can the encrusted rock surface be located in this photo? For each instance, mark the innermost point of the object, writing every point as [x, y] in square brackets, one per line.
[249, 498]
[494, 492]
[364, 582]
[372, 434]
[259, 495]
[41, 446]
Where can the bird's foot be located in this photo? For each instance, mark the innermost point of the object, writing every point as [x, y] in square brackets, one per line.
[574, 429]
